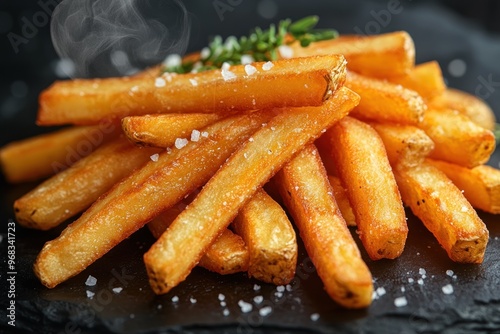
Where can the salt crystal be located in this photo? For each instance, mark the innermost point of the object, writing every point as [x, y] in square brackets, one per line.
[249, 69]
[381, 291]
[195, 135]
[227, 74]
[221, 297]
[267, 66]
[314, 317]
[154, 157]
[256, 287]
[193, 82]
[135, 89]
[192, 300]
[265, 311]
[175, 299]
[91, 281]
[245, 307]
[204, 134]
[223, 304]
[422, 271]
[258, 299]
[400, 301]
[225, 312]
[420, 281]
[247, 59]
[285, 51]
[403, 289]
[464, 209]
[278, 294]
[410, 280]
[226, 66]
[250, 139]
[180, 142]
[90, 294]
[289, 287]
[117, 290]
[159, 82]
[447, 289]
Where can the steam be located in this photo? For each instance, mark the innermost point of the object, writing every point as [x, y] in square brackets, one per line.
[118, 37]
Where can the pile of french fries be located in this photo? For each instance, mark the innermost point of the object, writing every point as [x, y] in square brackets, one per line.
[345, 133]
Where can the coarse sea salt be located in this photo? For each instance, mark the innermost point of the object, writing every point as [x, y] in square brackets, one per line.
[246, 59]
[180, 142]
[195, 135]
[90, 294]
[154, 157]
[285, 51]
[175, 299]
[245, 307]
[160, 82]
[265, 311]
[249, 69]
[91, 281]
[400, 301]
[192, 300]
[193, 82]
[117, 290]
[447, 289]
[267, 66]
[449, 272]
[221, 297]
[227, 74]
[256, 287]
[315, 317]
[258, 299]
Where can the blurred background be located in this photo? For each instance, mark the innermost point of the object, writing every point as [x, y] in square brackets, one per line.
[109, 38]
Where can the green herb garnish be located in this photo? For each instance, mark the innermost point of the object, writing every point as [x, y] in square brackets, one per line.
[261, 45]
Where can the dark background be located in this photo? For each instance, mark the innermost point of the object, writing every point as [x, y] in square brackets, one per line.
[463, 36]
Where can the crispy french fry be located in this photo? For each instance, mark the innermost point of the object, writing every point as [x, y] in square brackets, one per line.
[43, 155]
[426, 79]
[405, 144]
[307, 193]
[216, 91]
[445, 212]
[227, 255]
[163, 130]
[384, 101]
[469, 105]
[76, 188]
[365, 172]
[480, 185]
[143, 195]
[382, 56]
[340, 195]
[457, 139]
[172, 257]
[270, 238]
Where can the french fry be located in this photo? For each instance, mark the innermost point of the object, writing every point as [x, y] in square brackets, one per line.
[457, 139]
[480, 185]
[384, 101]
[270, 238]
[227, 255]
[163, 130]
[340, 195]
[469, 105]
[172, 257]
[307, 193]
[76, 188]
[215, 91]
[404, 144]
[139, 198]
[426, 79]
[43, 155]
[445, 212]
[365, 172]
[382, 56]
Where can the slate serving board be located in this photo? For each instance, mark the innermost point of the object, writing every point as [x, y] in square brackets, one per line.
[473, 306]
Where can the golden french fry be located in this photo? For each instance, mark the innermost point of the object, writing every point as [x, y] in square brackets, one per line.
[163, 130]
[143, 195]
[426, 79]
[385, 55]
[469, 105]
[365, 172]
[76, 188]
[227, 255]
[457, 139]
[340, 195]
[270, 238]
[282, 83]
[307, 193]
[404, 144]
[445, 212]
[480, 185]
[170, 260]
[43, 155]
[384, 101]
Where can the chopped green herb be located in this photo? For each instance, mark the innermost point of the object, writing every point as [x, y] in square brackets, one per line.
[260, 45]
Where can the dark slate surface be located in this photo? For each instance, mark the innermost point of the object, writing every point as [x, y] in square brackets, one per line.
[473, 307]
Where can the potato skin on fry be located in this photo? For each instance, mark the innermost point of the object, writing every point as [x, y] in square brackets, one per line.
[307, 194]
[215, 91]
[365, 172]
[170, 260]
[445, 212]
[270, 239]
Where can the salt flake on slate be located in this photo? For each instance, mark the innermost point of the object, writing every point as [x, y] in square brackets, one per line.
[258, 299]
[447, 289]
[117, 290]
[400, 301]
[90, 294]
[91, 281]
[314, 317]
[245, 307]
[265, 311]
